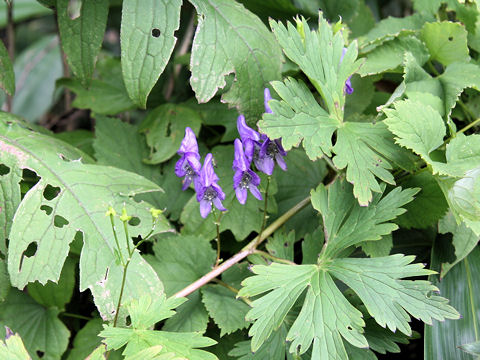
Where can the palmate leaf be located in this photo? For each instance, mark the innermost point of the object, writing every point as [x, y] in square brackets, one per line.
[243, 45]
[147, 42]
[72, 197]
[327, 318]
[13, 348]
[366, 150]
[145, 312]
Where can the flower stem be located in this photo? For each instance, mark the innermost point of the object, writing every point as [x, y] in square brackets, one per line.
[472, 124]
[217, 224]
[264, 222]
[116, 239]
[125, 229]
[119, 304]
[75, 316]
[232, 289]
[247, 250]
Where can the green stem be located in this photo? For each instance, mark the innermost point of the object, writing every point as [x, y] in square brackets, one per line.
[125, 228]
[273, 258]
[432, 68]
[232, 289]
[330, 163]
[466, 110]
[472, 124]
[116, 239]
[217, 225]
[119, 304]
[265, 205]
[75, 316]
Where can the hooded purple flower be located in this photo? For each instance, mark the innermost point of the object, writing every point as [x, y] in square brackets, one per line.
[250, 138]
[348, 84]
[208, 191]
[189, 163]
[266, 98]
[244, 178]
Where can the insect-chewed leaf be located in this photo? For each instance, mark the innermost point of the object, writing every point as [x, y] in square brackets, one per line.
[72, 197]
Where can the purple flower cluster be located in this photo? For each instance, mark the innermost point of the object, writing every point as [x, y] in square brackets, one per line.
[203, 177]
[253, 147]
[260, 150]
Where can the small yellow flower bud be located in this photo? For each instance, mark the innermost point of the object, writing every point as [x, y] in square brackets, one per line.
[111, 212]
[124, 217]
[155, 212]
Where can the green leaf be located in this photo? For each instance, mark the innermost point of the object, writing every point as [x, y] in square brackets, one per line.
[446, 41]
[164, 129]
[378, 248]
[179, 261]
[390, 28]
[13, 348]
[10, 198]
[318, 54]
[462, 286]
[4, 281]
[82, 37]
[429, 204]
[35, 80]
[422, 133]
[145, 313]
[226, 311]
[389, 55]
[472, 348]
[24, 9]
[347, 223]
[86, 339]
[294, 185]
[242, 45]
[81, 139]
[39, 327]
[281, 245]
[55, 295]
[147, 43]
[371, 277]
[464, 240]
[106, 95]
[274, 348]
[59, 199]
[429, 7]
[7, 76]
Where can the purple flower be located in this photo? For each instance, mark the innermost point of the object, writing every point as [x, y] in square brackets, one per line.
[250, 138]
[270, 151]
[189, 163]
[267, 97]
[208, 191]
[244, 178]
[348, 84]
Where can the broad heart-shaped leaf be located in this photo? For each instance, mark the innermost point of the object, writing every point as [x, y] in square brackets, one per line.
[72, 197]
[13, 348]
[365, 149]
[319, 56]
[464, 240]
[241, 44]
[164, 129]
[39, 327]
[144, 313]
[446, 41]
[7, 76]
[179, 261]
[82, 37]
[147, 42]
[461, 285]
[347, 223]
[10, 198]
[227, 311]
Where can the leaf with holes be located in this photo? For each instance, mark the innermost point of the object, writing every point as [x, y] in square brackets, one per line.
[82, 37]
[147, 43]
[72, 197]
[9, 198]
[243, 45]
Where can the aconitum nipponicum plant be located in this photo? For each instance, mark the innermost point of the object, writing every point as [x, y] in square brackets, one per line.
[208, 191]
[244, 177]
[189, 164]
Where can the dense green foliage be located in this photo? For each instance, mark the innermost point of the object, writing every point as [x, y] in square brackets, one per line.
[372, 217]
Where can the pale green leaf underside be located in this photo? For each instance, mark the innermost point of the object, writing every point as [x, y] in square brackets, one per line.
[13, 349]
[85, 192]
[82, 37]
[242, 45]
[147, 42]
[10, 198]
